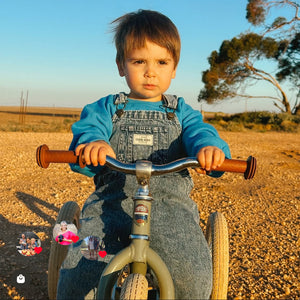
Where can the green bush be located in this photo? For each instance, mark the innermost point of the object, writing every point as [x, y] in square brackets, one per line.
[258, 121]
[289, 126]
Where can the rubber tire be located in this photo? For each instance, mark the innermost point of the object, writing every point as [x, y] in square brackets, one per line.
[135, 286]
[69, 212]
[217, 239]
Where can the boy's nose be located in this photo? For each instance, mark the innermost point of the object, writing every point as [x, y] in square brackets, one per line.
[149, 72]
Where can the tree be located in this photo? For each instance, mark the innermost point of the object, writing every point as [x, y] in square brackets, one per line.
[289, 68]
[259, 10]
[288, 62]
[233, 68]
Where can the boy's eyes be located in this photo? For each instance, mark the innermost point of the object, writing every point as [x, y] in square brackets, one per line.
[162, 62]
[140, 61]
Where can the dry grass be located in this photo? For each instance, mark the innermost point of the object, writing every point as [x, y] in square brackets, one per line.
[38, 119]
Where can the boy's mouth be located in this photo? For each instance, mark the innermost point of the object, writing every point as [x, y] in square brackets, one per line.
[149, 86]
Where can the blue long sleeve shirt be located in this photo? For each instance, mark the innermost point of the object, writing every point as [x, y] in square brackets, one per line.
[96, 124]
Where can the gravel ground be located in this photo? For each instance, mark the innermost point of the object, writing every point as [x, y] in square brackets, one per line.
[262, 214]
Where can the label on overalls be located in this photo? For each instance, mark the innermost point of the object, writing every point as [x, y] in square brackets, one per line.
[141, 214]
[143, 139]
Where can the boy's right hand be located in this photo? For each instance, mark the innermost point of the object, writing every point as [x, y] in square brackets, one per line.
[95, 152]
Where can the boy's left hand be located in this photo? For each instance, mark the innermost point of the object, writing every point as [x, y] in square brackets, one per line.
[210, 158]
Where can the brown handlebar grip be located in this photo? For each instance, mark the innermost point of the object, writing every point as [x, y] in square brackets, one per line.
[239, 166]
[44, 157]
[251, 168]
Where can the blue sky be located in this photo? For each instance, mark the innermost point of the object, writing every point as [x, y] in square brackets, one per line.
[61, 51]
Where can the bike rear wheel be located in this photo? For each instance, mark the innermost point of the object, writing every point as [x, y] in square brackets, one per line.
[217, 239]
[69, 212]
[135, 286]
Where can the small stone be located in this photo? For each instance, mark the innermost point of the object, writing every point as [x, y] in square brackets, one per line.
[287, 291]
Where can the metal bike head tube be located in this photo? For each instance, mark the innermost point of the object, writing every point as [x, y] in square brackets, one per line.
[142, 202]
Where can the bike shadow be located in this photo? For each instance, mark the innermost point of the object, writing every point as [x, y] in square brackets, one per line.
[31, 203]
[34, 268]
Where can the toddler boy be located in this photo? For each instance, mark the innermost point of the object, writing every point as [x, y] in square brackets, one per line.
[144, 123]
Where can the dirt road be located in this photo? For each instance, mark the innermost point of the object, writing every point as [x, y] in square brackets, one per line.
[262, 214]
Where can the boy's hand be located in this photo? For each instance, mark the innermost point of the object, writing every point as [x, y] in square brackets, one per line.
[210, 158]
[95, 152]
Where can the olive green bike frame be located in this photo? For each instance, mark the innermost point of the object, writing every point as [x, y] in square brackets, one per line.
[138, 254]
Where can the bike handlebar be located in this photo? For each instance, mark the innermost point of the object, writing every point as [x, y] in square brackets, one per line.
[44, 157]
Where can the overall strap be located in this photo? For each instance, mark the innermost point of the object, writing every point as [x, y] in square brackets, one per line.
[170, 101]
[170, 105]
[120, 99]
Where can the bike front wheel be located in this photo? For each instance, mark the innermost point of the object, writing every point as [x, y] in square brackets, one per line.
[135, 286]
[217, 239]
[69, 212]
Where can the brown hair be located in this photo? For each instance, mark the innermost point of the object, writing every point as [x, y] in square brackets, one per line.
[133, 29]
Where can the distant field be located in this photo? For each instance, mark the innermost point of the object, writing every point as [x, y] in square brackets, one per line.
[46, 119]
[57, 119]
[38, 119]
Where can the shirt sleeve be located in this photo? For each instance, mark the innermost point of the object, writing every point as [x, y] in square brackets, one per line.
[95, 124]
[196, 134]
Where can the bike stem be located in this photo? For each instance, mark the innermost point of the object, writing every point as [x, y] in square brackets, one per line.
[142, 202]
[140, 231]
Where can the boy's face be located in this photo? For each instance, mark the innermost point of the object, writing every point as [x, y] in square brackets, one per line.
[148, 72]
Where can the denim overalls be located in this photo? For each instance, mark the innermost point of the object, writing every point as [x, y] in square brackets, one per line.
[175, 232]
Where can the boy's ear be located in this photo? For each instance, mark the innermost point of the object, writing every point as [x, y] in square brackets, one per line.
[120, 68]
[174, 73]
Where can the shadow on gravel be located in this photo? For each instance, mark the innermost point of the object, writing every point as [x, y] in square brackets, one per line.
[31, 203]
[12, 263]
